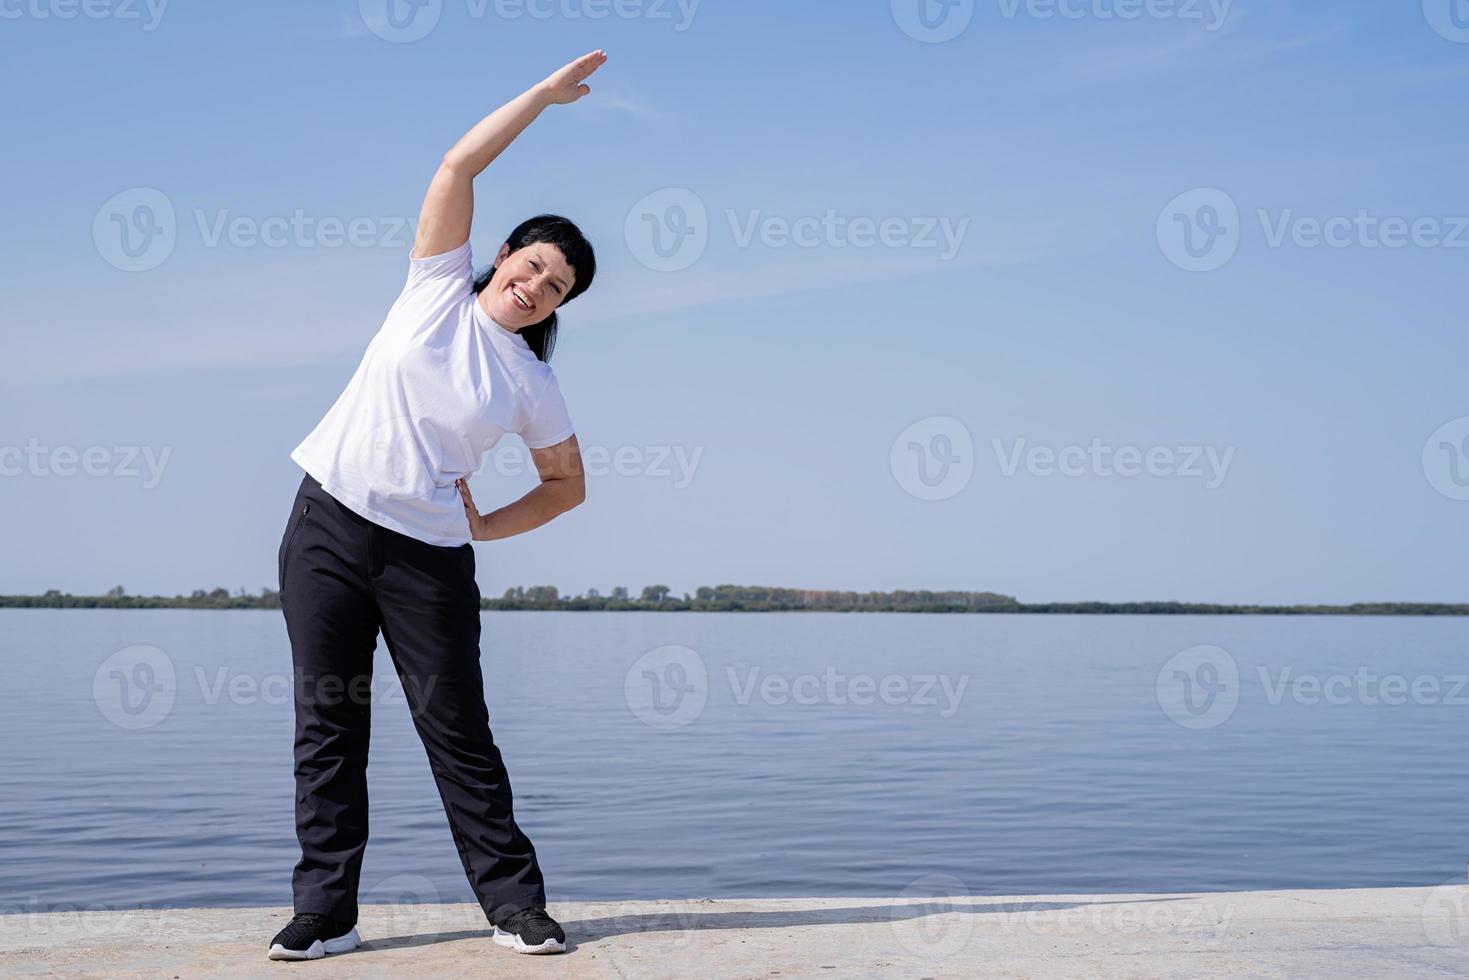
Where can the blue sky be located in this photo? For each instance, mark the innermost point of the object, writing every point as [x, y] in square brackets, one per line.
[782, 393]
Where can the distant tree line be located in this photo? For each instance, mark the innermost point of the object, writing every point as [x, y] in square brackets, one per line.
[116, 598]
[752, 598]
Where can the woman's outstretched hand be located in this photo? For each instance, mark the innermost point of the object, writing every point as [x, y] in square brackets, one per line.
[477, 529]
[565, 85]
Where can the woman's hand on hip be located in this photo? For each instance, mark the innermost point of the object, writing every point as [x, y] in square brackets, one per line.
[478, 529]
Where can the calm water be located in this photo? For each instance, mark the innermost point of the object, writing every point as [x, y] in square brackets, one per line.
[1011, 755]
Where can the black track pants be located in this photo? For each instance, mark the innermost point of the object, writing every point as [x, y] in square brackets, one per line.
[342, 579]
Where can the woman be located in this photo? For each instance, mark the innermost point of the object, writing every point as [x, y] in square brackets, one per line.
[380, 532]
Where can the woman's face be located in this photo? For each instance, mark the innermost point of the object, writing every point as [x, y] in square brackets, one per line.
[527, 285]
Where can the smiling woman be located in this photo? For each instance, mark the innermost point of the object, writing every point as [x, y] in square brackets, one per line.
[547, 248]
[380, 532]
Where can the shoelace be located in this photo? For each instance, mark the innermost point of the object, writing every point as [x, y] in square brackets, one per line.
[311, 920]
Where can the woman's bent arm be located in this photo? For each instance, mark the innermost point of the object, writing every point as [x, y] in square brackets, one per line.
[563, 486]
[544, 502]
[448, 207]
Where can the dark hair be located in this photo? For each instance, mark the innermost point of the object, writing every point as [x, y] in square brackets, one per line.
[551, 229]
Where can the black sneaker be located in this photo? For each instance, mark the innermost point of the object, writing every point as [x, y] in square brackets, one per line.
[310, 936]
[530, 931]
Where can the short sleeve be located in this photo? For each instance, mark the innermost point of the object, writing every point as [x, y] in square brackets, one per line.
[435, 283]
[452, 267]
[549, 423]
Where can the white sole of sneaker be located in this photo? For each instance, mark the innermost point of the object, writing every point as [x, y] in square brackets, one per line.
[342, 944]
[511, 941]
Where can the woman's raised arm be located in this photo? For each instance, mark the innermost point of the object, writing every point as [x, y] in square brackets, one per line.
[443, 221]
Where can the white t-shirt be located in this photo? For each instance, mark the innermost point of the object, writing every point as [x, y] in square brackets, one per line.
[439, 385]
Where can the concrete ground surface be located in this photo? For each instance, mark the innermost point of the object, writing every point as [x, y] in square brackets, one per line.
[1368, 933]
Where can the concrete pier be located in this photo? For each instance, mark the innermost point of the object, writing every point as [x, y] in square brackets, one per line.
[1368, 933]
